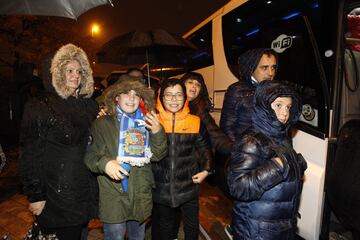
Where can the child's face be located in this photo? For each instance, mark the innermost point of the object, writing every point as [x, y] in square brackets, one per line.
[173, 98]
[281, 107]
[128, 102]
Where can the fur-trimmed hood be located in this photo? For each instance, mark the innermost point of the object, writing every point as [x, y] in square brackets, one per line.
[125, 84]
[61, 58]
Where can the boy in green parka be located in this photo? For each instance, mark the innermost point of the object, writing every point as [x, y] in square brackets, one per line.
[129, 135]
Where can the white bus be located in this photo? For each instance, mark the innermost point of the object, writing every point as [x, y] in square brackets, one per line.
[310, 39]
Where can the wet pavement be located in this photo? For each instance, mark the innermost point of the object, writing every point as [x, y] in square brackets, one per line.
[9, 180]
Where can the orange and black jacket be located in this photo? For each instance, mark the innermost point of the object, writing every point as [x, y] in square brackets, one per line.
[173, 175]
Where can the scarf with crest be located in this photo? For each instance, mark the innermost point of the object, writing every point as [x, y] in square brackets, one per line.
[134, 147]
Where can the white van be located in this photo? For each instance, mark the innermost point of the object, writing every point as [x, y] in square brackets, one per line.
[312, 39]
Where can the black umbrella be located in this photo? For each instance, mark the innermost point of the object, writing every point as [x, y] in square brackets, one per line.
[60, 8]
[156, 46]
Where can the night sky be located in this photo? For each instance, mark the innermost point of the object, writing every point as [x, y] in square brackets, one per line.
[176, 16]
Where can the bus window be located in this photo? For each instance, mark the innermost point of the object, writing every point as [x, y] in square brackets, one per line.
[203, 56]
[280, 25]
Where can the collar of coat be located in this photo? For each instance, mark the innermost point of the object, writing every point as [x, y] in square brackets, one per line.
[184, 121]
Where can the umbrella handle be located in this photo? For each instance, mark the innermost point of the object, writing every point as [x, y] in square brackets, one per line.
[148, 68]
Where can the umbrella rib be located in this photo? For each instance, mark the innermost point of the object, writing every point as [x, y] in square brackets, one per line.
[110, 2]
[27, 6]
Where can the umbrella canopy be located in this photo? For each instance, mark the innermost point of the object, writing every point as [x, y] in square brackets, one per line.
[59, 8]
[155, 46]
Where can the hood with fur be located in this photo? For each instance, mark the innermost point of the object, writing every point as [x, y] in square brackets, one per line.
[125, 84]
[61, 58]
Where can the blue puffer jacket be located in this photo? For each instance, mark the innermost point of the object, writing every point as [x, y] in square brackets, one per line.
[266, 194]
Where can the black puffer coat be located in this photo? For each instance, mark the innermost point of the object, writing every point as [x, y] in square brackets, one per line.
[173, 174]
[53, 141]
[238, 101]
[266, 194]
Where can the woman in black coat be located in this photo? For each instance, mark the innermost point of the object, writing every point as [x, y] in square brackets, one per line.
[200, 106]
[265, 174]
[54, 136]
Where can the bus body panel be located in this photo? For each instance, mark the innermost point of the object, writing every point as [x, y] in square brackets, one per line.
[314, 150]
[312, 145]
[223, 76]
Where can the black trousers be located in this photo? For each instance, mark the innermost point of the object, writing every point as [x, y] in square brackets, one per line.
[165, 221]
[65, 233]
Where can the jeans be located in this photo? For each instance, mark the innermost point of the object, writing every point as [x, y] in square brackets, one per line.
[84, 233]
[116, 231]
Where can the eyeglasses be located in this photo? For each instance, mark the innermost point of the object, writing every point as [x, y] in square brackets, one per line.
[169, 97]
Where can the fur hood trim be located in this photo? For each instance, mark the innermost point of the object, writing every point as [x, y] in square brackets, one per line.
[61, 58]
[125, 84]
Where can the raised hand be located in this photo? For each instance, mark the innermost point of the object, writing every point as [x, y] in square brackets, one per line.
[152, 122]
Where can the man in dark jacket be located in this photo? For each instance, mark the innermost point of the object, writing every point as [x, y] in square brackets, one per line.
[255, 65]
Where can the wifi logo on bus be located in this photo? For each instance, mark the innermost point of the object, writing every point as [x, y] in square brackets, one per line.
[281, 43]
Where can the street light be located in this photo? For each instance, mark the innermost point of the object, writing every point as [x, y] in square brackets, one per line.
[95, 29]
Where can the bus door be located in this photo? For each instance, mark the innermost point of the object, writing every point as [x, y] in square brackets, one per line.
[342, 202]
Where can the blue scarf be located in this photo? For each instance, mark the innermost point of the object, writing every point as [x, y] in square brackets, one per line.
[134, 145]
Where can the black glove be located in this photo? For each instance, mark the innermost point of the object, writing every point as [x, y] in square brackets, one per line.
[286, 155]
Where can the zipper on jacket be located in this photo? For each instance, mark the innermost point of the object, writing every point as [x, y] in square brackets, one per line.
[172, 154]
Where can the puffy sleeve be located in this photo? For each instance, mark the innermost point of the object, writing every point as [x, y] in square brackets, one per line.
[250, 171]
[158, 145]
[218, 138]
[203, 147]
[237, 110]
[97, 155]
[32, 143]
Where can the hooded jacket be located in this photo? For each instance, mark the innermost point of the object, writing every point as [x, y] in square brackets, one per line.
[266, 194]
[117, 206]
[238, 101]
[54, 136]
[201, 107]
[173, 175]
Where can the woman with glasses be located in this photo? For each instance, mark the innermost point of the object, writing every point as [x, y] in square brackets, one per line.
[177, 176]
